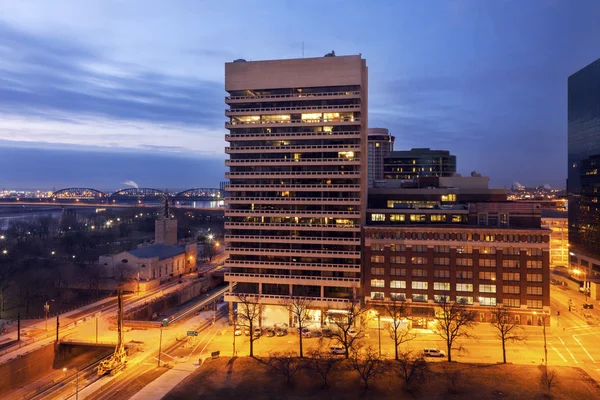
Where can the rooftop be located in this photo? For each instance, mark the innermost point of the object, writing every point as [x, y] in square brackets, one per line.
[162, 251]
[550, 213]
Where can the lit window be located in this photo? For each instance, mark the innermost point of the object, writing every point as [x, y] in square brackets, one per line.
[398, 296]
[441, 286]
[438, 298]
[534, 304]
[511, 302]
[397, 217]
[510, 289]
[377, 271]
[419, 285]
[420, 298]
[464, 299]
[449, 197]
[487, 301]
[534, 290]
[398, 271]
[487, 288]
[378, 283]
[464, 287]
[346, 154]
[398, 284]
[377, 217]
[376, 295]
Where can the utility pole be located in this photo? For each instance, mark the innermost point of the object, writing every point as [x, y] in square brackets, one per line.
[57, 326]
[545, 347]
[379, 331]
[76, 384]
[18, 327]
[96, 328]
[160, 345]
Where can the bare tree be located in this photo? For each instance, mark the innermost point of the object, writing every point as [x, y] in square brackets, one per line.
[248, 312]
[299, 308]
[508, 328]
[453, 321]
[347, 332]
[323, 363]
[285, 364]
[123, 272]
[399, 332]
[548, 380]
[368, 365]
[412, 368]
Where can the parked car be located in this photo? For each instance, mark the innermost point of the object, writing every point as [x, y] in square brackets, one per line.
[326, 332]
[337, 349]
[305, 332]
[280, 331]
[270, 332]
[433, 353]
[247, 331]
[257, 332]
[238, 332]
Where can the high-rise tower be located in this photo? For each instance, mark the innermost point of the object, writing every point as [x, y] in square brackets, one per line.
[298, 180]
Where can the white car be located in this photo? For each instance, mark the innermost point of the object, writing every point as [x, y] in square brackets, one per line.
[337, 349]
[433, 353]
[238, 332]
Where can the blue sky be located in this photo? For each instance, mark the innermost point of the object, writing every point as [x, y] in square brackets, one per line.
[97, 92]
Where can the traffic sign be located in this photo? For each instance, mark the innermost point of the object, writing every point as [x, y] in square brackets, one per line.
[192, 333]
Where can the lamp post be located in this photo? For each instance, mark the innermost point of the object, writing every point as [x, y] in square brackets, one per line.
[584, 272]
[47, 310]
[379, 331]
[544, 330]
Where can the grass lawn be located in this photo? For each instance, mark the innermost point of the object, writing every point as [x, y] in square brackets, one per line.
[247, 378]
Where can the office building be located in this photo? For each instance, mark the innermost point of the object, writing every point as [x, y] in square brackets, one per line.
[558, 222]
[414, 163]
[583, 160]
[476, 249]
[381, 143]
[298, 181]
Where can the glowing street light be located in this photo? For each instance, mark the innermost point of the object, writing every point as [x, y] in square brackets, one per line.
[5, 252]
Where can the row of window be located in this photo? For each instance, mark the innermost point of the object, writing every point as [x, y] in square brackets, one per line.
[467, 262]
[444, 273]
[511, 251]
[466, 237]
[483, 300]
[460, 287]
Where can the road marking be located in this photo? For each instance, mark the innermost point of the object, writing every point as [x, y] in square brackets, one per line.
[579, 327]
[584, 349]
[558, 352]
[571, 354]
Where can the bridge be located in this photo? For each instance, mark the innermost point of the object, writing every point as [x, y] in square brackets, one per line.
[129, 196]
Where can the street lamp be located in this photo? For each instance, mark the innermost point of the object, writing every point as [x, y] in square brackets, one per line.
[47, 310]
[544, 328]
[585, 290]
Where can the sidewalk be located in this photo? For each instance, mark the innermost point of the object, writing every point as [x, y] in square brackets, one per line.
[162, 385]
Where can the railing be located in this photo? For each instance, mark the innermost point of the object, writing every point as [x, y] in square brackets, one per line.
[294, 212]
[343, 147]
[294, 121]
[293, 199]
[284, 265]
[253, 225]
[290, 185]
[306, 96]
[290, 239]
[314, 253]
[283, 297]
[344, 174]
[295, 108]
[308, 277]
[251, 136]
[258, 161]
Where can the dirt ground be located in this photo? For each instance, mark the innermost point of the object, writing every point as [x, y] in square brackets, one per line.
[247, 378]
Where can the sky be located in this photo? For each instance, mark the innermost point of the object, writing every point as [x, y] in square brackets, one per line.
[97, 92]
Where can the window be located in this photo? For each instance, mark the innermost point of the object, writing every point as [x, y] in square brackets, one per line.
[376, 235]
[398, 296]
[489, 237]
[511, 302]
[441, 261]
[503, 220]
[377, 283]
[464, 287]
[438, 218]
[534, 277]
[378, 217]
[419, 260]
[510, 289]
[487, 301]
[376, 295]
[534, 252]
[377, 259]
[482, 219]
[441, 249]
[449, 197]
[441, 286]
[457, 218]
[377, 247]
[419, 272]
[419, 249]
[397, 217]
[464, 250]
[397, 247]
[441, 273]
[487, 288]
[487, 262]
[398, 284]
[510, 263]
[534, 290]
[438, 298]
[464, 262]
[511, 276]
[398, 260]
[464, 274]
[511, 251]
[377, 271]
[419, 285]
[398, 271]
[418, 218]
[534, 264]
[487, 250]
[421, 298]
[534, 304]
[488, 276]
[464, 299]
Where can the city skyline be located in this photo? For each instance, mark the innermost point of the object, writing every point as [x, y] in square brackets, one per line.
[95, 83]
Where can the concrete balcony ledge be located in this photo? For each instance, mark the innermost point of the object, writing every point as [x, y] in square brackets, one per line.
[269, 110]
[297, 96]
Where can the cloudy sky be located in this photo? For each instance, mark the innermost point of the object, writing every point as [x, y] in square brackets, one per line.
[97, 92]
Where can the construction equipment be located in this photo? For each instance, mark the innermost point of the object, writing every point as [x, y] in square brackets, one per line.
[117, 361]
